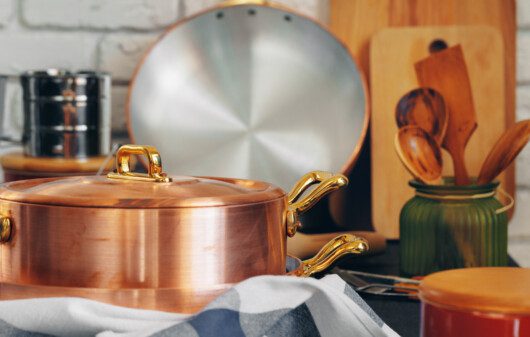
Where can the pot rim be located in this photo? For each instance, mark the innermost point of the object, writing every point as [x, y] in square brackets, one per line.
[103, 192]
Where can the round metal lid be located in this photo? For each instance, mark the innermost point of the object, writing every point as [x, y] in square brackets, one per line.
[127, 189]
[101, 191]
[253, 91]
[488, 289]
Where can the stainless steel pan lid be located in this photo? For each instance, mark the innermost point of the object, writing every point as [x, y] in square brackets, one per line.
[252, 91]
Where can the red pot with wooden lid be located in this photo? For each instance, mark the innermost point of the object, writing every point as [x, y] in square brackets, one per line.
[476, 302]
[149, 240]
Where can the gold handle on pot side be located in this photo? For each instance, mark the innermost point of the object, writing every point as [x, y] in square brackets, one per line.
[327, 182]
[331, 252]
[154, 164]
[5, 229]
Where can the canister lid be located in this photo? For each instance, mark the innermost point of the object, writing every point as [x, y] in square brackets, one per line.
[52, 166]
[488, 289]
[127, 189]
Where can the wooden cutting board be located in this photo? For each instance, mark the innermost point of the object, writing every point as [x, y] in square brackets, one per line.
[392, 56]
[356, 21]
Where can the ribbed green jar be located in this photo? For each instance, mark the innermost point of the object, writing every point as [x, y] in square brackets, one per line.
[447, 226]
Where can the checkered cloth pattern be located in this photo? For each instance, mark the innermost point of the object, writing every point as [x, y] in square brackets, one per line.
[271, 306]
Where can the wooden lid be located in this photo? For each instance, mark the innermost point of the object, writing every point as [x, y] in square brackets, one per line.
[17, 161]
[100, 191]
[489, 289]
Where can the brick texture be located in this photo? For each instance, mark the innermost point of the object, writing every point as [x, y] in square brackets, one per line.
[100, 14]
[6, 11]
[519, 249]
[523, 56]
[120, 53]
[523, 13]
[520, 224]
[26, 51]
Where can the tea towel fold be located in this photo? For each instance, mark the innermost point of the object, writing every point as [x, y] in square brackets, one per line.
[260, 306]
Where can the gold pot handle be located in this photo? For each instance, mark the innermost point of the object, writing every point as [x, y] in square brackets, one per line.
[5, 229]
[331, 252]
[328, 182]
[154, 164]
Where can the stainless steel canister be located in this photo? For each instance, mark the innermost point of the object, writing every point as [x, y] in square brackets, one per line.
[66, 114]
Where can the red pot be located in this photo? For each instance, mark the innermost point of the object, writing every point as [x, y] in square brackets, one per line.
[476, 302]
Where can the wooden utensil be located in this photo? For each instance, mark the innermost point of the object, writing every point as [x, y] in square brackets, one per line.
[424, 107]
[393, 54]
[356, 22]
[304, 245]
[509, 145]
[446, 72]
[420, 154]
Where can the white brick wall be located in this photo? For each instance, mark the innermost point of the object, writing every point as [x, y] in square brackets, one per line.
[99, 14]
[113, 35]
[6, 12]
[120, 53]
[22, 51]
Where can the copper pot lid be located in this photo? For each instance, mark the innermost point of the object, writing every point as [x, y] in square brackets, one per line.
[486, 289]
[126, 189]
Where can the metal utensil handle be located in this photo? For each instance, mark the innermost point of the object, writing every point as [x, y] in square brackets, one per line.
[327, 182]
[382, 277]
[154, 166]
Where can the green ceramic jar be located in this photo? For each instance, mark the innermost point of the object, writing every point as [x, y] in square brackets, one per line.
[447, 226]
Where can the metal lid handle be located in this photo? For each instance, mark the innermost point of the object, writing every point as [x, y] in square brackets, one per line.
[154, 164]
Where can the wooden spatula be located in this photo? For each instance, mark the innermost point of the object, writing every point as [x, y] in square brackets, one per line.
[446, 72]
[504, 151]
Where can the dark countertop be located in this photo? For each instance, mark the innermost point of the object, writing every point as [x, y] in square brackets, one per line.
[401, 314]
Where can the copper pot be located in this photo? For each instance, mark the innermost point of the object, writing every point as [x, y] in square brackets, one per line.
[151, 235]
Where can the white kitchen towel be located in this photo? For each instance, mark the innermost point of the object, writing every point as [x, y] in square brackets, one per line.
[260, 306]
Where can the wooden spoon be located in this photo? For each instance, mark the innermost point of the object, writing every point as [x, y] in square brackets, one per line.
[446, 72]
[507, 147]
[424, 107]
[420, 154]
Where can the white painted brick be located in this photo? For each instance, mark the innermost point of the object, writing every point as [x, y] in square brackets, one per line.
[523, 56]
[522, 168]
[523, 101]
[520, 223]
[100, 14]
[519, 250]
[6, 12]
[523, 13]
[317, 9]
[36, 50]
[120, 53]
[119, 97]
